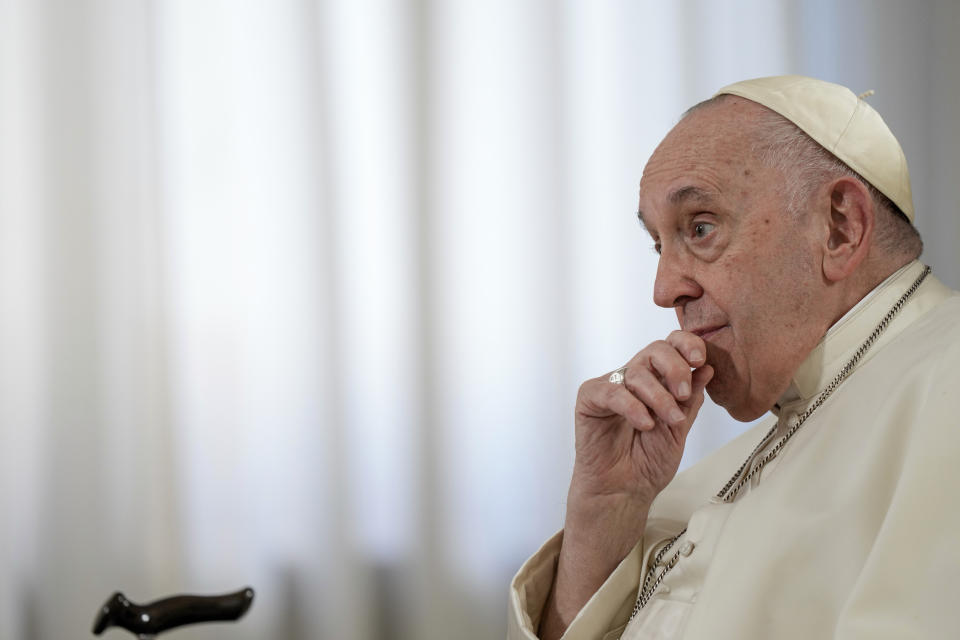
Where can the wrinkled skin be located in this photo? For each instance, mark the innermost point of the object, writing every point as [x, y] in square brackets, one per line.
[732, 258]
[744, 276]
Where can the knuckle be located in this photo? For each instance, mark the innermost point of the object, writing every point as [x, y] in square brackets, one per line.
[655, 347]
[638, 381]
[584, 389]
[650, 392]
[588, 390]
[673, 368]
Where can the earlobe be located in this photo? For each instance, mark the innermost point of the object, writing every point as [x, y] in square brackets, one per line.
[850, 228]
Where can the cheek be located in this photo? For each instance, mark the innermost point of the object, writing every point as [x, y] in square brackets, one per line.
[794, 290]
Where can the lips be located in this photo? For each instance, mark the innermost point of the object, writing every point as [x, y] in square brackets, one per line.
[708, 332]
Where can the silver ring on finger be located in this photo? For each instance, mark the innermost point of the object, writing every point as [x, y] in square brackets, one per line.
[617, 376]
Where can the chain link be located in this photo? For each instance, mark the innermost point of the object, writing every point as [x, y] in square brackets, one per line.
[732, 489]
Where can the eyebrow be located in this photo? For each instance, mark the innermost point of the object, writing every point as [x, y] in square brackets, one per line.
[685, 194]
[680, 196]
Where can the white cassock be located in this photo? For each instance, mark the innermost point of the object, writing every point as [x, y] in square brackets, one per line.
[852, 531]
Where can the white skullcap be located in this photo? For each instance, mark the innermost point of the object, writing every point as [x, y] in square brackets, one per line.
[842, 123]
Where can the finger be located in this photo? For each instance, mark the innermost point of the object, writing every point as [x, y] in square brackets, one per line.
[592, 398]
[671, 366]
[701, 378]
[622, 402]
[647, 387]
[599, 398]
[692, 347]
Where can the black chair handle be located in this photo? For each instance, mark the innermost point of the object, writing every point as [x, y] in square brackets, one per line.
[156, 617]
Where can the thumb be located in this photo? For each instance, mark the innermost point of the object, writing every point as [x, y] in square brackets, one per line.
[701, 377]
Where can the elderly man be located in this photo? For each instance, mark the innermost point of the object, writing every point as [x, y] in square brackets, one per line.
[782, 213]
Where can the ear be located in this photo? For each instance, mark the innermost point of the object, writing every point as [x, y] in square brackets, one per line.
[852, 218]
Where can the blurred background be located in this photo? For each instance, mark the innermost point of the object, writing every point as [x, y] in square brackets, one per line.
[298, 293]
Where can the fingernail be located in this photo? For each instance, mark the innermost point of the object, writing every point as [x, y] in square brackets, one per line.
[695, 355]
[677, 416]
[683, 390]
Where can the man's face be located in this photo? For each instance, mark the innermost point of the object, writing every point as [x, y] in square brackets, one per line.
[740, 269]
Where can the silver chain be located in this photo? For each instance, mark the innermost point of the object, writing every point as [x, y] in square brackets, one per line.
[732, 489]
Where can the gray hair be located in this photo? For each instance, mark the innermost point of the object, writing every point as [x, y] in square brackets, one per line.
[805, 165]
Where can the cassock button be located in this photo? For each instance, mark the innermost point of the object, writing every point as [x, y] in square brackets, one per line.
[686, 548]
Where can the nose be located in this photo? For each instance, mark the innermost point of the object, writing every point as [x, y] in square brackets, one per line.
[674, 285]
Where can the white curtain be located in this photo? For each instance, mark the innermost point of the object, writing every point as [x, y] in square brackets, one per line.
[298, 293]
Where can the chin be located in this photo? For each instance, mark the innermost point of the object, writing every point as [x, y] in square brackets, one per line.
[739, 408]
[745, 415]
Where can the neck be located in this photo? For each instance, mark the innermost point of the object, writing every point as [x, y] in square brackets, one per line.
[843, 338]
[851, 290]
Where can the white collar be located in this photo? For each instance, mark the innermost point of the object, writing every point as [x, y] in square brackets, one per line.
[846, 335]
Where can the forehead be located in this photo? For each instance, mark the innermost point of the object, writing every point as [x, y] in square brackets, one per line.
[708, 155]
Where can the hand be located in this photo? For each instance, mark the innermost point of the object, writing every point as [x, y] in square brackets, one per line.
[630, 437]
[629, 441]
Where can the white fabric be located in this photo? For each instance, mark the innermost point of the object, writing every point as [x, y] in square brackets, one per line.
[845, 125]
[849, 532]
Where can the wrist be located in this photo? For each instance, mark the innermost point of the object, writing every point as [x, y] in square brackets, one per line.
[591, 550]
[587, 507]
[597, 542]
[599, 531]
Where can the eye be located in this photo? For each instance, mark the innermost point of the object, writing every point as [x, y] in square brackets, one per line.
[656, 247]
[703, 229]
